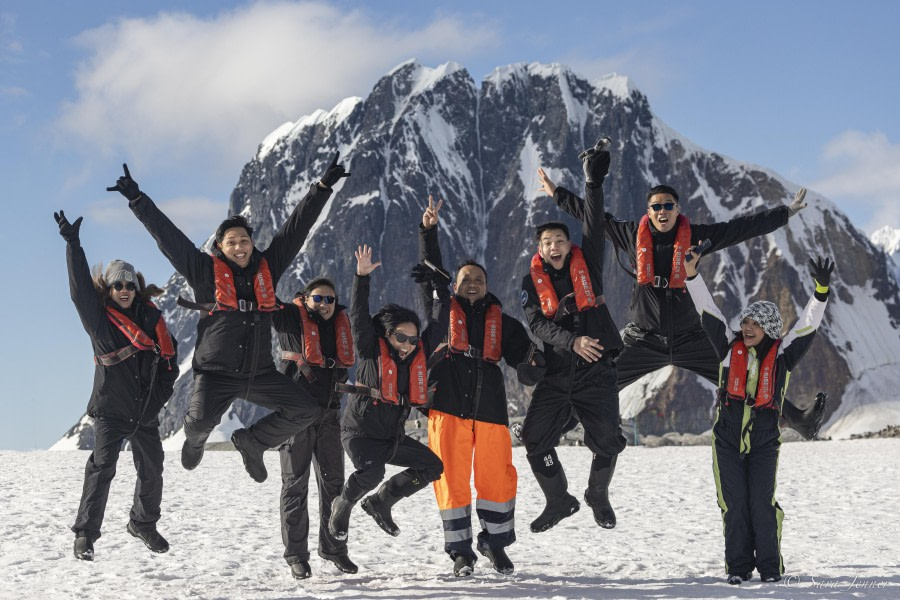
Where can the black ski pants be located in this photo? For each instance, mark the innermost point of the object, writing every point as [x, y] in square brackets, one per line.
[370, 456]
[745, 485]
[692, 352]
[147, 453]
[561, 398]
[318, 445]
[293, 409]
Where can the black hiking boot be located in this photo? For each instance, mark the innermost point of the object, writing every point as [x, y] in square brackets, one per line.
[252, 453]
[498, 558]
[339, 522]
[301, 570]
[560, 503]
[151, 538]
[380, 510]
[191, 455]
[341, 561]
[555, 512]
[463, 565]
[378, 505]
[84, 548]
[770, 577]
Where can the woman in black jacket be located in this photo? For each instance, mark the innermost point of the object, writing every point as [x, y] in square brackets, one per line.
[135, 370]
[391, 378]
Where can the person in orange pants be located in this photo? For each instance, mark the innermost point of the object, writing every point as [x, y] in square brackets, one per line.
[468, 422]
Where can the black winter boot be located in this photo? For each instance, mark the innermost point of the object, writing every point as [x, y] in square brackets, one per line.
[84, 548]
[597, 493]
[151, 538]
[252, 453]
[191, 455]
[341, 561]
[339, 522]
[301, 570]
[463, 564]
[806, 422]
[378, 505]
[498, 558]
[552, 480]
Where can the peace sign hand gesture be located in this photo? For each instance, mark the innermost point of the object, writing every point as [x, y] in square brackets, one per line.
[126, 186]
[364, 264]
[430, 217]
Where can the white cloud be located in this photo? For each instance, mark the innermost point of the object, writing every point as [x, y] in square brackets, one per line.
[176, 85]
[863, 177]
[196, 217]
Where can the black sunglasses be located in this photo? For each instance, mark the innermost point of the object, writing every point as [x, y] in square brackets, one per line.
[128, 286]
[403, 338]
[321, 298]
[659, 207]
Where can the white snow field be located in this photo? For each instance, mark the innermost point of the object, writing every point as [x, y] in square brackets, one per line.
[841, 533]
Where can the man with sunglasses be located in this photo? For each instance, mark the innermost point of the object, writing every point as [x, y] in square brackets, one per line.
[234, 287]
[665, 329]
[316, 352]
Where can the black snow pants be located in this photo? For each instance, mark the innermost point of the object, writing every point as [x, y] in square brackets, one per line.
[147, 453]
[370, 455]
[746, 444]
[293, 410]
[587, 393]
[319, 445]
[651, 353]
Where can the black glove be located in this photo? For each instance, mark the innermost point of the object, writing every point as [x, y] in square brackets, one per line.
[821, 271]
[595, 162]
[126, 186]
[422, 273]
[334, 172]
[69, 231]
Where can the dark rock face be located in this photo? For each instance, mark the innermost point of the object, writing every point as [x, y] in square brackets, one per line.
[433, 131]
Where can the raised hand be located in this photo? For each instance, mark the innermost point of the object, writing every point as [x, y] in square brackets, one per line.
[547, 186]
[595, 162]
[334, 172]
[430, 216]
[821, 269]
[126, 186]
[364, 264]
[588, 348]
[69, 231]
[798, 204]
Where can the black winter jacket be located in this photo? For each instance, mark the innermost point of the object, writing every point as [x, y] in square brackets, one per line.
[289, 326]
[135, 389]
[668, 314]
[232, 342]
[365, 416]
[559, 336]
[468, 387]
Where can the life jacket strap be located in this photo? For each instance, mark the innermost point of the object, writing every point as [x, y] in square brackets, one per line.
[116, 356]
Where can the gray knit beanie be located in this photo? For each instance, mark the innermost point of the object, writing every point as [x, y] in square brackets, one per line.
[767, 315]
[119, 270]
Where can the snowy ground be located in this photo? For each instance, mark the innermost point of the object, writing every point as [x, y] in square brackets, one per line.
[841, 534]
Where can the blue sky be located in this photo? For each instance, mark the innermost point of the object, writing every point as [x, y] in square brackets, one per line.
[185, 95]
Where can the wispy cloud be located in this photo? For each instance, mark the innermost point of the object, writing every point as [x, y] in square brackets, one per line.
[196, 217]
[11, 48]
[175, 85]
[863, 176]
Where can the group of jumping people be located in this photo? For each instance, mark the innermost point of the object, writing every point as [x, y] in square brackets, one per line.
[447, 367]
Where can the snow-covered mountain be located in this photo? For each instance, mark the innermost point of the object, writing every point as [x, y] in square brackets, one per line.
[888, 239]
[434, 131]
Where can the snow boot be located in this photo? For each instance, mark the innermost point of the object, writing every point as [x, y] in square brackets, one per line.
[251, 452]
[378, 505]
[737, 578]
[301, 570]
[341, 561]
[597, 493]
[339, 522]
[552, 480]
[463, 564]
[84, 548]
[191, 455]
[498, 558]
[806, 422]
[150, 536]
[770, 577]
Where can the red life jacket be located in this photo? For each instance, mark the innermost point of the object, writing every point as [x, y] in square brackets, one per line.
[138, 339]
[493, 331]
[581, 283]
[644, 251]
[418, 376]
[226, 295]
[737, 375]
[312, 346]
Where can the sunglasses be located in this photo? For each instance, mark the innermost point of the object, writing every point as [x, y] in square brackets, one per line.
[321, 298]
[659, 207]
[119, 285]
[403, 338]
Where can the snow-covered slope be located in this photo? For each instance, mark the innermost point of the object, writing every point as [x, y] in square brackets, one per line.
[888, 239]
[840, 534]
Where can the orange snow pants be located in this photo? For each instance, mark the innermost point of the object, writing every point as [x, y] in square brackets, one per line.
[460, 443]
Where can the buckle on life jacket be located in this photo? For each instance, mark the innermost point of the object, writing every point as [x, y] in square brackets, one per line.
[660, 282]
[473, 352]
[246, 305]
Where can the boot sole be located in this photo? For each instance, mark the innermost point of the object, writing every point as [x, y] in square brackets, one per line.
[603, 524]
[556, 521]
[138, 536]
[337, 566]
[374, 514]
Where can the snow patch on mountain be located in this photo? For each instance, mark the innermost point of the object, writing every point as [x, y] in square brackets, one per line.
[869, 404]
[619, 86]
[888, 239]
